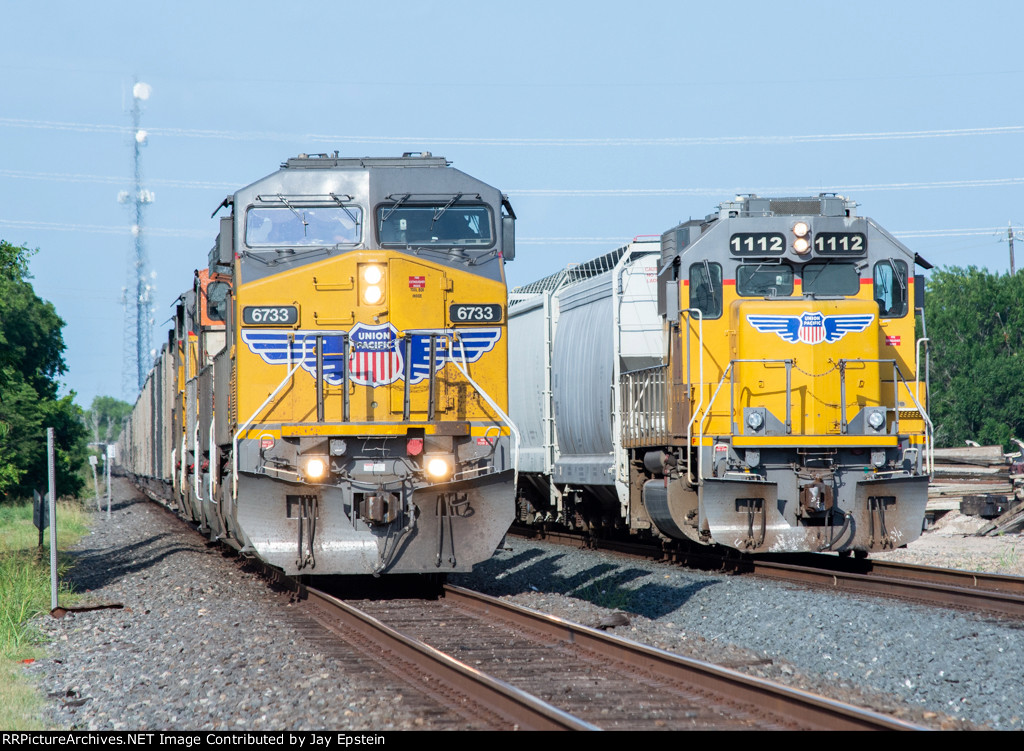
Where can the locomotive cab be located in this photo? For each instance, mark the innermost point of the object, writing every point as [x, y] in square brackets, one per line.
[795, 414]
[367, 384]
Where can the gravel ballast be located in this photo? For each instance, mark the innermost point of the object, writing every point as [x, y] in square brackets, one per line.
[202, 643]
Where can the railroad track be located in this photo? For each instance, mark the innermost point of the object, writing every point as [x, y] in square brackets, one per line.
[995, 594]
[499, 666]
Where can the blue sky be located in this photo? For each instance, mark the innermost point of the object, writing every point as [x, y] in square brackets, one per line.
[602, 121]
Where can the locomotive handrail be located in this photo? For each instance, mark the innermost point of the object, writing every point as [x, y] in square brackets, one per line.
[464, 369]
[788, 362]
[929, 434]
[917, 368]
[689, 386]
[213, 467]
[841, 366]
[730, 372]
[929, 447]
[245, 426]
[917, 388]
[706, 416]
[196, 466]
[645, 402]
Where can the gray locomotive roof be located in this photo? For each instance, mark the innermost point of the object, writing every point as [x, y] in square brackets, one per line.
[823, 204]
[325, 161]
[418, 176]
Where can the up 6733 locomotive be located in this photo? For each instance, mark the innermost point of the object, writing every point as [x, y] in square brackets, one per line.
[752, 381]
[332, 398]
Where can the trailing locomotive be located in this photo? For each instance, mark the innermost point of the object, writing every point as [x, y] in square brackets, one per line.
[779, 408]
[332, 397]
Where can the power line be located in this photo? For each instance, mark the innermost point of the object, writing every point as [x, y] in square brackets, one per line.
[783, 190]
[203, 235]
[73, 177]
[518, 141]
[104, 229]
[577, 192]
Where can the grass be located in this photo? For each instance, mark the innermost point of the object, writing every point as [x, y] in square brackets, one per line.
[24, 594]
[606, 594]
[1008, 559]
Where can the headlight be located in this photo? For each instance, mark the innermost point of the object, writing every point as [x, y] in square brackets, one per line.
[371, 283]
[800, 229]
[755, 420]
[439, 466]
[801, 246]
[876, 420]
[316, 468]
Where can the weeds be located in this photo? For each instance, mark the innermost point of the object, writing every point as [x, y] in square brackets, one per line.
[606, 595]
[25, 594]
[1009, 558]
[25, 571]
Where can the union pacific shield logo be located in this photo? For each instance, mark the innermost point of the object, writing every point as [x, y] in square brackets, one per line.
[811, 327]
[374, 359]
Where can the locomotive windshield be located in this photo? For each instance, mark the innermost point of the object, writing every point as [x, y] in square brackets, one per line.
[830, 279]
[764, 280]
[441, 224]
[301, 225]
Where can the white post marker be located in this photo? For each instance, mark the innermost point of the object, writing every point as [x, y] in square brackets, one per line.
[53, 519]
[111, 453]
[93, 461]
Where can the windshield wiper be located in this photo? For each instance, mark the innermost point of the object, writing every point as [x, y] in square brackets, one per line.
[344, 208]
[438, 213]
[711, 284]
[394, 208]
[300, 217]
[896, 273]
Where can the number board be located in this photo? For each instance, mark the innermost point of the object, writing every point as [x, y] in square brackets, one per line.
[840, 243]
[270, 315]
[462, 313]
[757, 243]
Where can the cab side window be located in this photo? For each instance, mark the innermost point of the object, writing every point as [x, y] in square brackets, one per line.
[706, 289]
[890, 288]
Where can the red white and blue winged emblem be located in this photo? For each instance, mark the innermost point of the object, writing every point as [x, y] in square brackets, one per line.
[376, 354]
[811, 328]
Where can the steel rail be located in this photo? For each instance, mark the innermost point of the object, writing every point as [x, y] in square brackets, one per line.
[520, 709]
[995, 593]
[950, 588]
[816, 712]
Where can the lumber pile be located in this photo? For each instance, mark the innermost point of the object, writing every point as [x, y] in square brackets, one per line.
[970, 471]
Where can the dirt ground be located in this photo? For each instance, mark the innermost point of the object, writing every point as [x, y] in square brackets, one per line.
[952, 543]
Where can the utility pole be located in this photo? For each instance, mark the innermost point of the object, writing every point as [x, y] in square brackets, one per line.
[1009, 239]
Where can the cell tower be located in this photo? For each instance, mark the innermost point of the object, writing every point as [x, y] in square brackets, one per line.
[138, 294]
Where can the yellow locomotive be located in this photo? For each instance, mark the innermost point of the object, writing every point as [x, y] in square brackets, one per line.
[783, 407]
[340, 388]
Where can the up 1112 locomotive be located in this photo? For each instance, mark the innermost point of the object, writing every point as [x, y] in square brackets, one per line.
[332, 398]
[751, 380]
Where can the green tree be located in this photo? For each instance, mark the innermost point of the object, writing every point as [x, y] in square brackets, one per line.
[976, 325]
[106, 417]
[31, 360]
